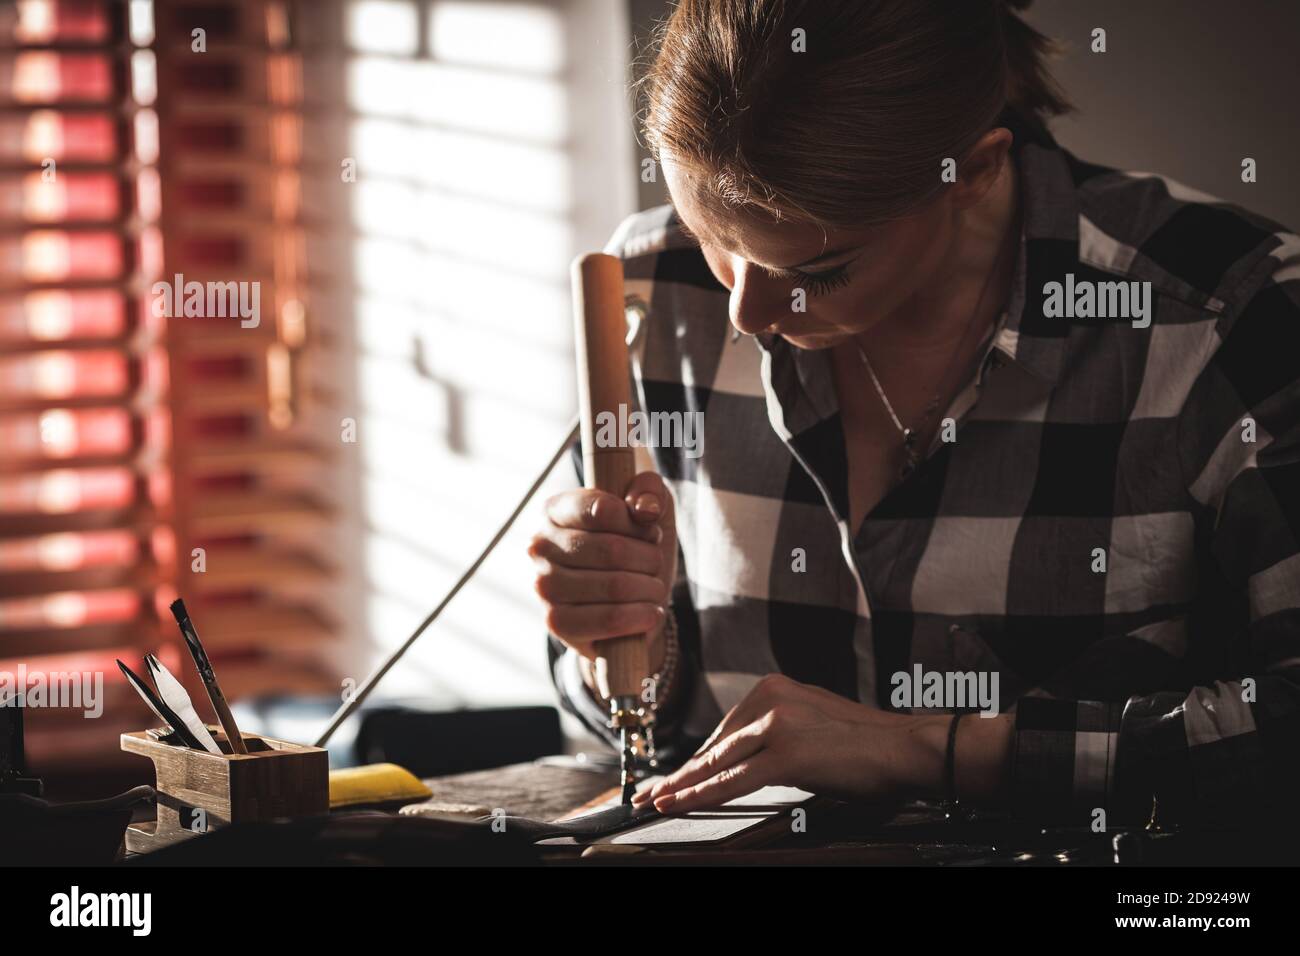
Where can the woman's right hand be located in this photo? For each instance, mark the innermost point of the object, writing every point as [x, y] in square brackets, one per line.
[606, 565]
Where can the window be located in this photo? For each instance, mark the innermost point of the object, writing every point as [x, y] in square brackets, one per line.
[149, 449]
[85, 543]
[474, 148]
[256, 430]
[285, 329]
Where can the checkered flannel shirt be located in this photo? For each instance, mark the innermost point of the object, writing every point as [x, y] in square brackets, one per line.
[1174, 675]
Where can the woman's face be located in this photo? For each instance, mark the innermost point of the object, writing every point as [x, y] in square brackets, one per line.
[852, 279]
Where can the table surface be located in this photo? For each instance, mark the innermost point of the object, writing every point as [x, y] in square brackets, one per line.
[833, 832]
[539, 791]
[916, 834]
[838, 832]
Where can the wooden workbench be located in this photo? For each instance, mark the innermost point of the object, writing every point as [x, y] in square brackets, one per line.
[836, 832]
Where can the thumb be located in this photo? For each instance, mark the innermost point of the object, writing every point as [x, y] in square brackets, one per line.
[648, 498]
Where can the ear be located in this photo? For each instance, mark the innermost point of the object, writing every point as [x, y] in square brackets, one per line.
[977, 173]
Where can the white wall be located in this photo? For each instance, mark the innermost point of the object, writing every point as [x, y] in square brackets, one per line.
[1187, 88]
[492, 145]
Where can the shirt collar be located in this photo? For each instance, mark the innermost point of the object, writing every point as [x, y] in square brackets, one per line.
[1049, 248]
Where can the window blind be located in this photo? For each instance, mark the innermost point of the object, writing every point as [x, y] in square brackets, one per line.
[149, 448]
[254, 417]
[85, 542]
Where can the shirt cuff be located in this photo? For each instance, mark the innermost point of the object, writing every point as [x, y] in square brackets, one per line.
[582, 702]
[672, 744]
[1065, 760]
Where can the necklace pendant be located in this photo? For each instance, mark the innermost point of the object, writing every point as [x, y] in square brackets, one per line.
[910, 461]
[910, 456]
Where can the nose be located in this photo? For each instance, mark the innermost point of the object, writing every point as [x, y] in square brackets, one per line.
[754, 305]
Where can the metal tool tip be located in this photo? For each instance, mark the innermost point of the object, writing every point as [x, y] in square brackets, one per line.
[625, 762]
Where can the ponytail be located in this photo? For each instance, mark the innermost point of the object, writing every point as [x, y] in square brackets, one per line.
[1030, 87]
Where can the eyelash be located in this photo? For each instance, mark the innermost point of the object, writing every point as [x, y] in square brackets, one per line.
[814, 284]
[818, 284]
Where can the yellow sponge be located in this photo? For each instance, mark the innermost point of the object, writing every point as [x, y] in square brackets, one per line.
[375, 783]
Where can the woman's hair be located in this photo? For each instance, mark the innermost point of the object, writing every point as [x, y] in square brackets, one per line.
[851, 130]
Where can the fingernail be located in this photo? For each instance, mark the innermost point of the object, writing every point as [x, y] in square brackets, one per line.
[666, 801]
[646, 503]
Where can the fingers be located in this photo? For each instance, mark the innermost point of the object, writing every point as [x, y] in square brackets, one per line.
[731, 750]
[603, 562]
[587, 509]
[729, 724]
[753, 706]
[597, 551]
[735, 760]
[565, 586]
[735, 781]
[648, 499]
[578, 625]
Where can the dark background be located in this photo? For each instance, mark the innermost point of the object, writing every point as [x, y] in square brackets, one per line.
[1186, 88]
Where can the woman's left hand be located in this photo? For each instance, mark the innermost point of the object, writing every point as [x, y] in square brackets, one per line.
[791, 734]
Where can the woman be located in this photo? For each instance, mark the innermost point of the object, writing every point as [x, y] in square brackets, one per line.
[990, 428]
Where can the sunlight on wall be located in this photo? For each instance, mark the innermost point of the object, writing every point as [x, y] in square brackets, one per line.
[465, 220]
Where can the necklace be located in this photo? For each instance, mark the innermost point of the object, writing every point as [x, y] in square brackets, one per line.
[911, 456]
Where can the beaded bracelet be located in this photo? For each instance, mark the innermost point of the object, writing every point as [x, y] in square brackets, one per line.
[663, 685]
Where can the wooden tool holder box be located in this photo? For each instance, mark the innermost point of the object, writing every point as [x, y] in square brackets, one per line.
[199, 792]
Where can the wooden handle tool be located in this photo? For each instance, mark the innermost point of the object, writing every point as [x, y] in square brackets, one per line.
[604, 383]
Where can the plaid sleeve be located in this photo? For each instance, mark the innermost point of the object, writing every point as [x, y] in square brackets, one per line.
[575, 697]
[671, 741]
[1064, 758]
[1226, 750]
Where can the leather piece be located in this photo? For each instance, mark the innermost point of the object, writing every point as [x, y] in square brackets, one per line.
[588, 826]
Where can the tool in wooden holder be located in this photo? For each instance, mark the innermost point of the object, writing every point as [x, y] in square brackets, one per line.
[604, 384]
[200, 791]
[208, 676]
[175, 724]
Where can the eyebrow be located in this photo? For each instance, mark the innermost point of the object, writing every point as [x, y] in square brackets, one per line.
[830, 254]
